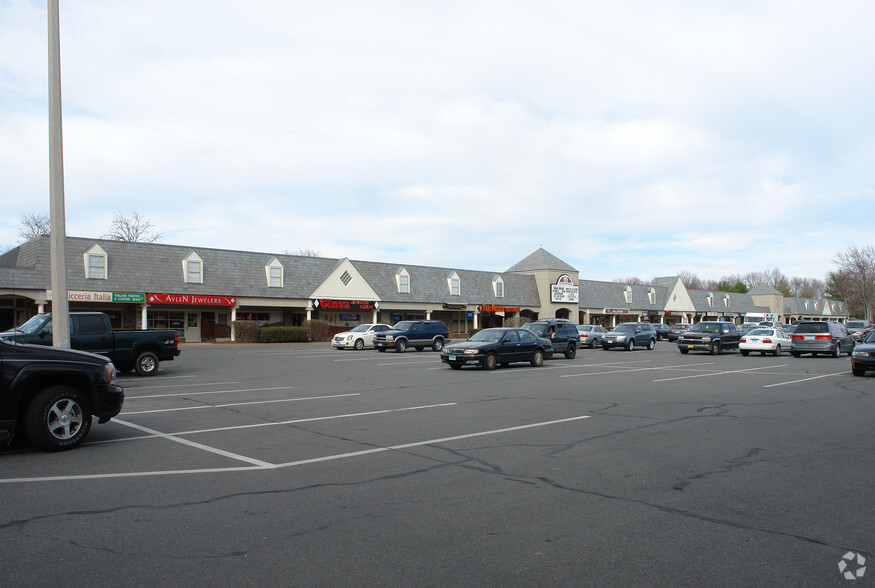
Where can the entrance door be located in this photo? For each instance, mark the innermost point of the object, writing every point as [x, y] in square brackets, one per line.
[208, 326]
[192, 328]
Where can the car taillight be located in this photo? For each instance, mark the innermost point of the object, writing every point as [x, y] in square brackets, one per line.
[743, 340]
[767, 340]
[798, 337]
[823, 337]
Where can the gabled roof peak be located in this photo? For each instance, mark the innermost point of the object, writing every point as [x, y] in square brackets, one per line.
[541, 260]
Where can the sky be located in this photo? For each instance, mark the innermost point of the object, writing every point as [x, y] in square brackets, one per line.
[627, 138]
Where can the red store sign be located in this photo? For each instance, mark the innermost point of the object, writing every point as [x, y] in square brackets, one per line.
[328, 304]
[192, 299]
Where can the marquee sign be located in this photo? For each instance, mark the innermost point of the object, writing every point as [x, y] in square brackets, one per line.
[193, 299]
[117, 297]
[618, 311]
[564, 290]
[329, 304]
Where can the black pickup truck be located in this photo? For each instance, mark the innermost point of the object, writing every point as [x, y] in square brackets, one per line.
[52, 394]
[140, 350]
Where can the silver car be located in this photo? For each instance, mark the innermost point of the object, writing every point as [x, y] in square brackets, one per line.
[820, 337]
[591, 335]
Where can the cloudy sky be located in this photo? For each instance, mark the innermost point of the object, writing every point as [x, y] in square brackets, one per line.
[627, 138]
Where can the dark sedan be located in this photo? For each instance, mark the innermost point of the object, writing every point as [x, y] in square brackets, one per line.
[491, 347]
[863, 356]
[677, 330]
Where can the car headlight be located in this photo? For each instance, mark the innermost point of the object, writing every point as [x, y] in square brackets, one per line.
[390, 338]
[858, 353]
[471, 352]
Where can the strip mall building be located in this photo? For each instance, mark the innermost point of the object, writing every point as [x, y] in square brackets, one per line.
[200, 292]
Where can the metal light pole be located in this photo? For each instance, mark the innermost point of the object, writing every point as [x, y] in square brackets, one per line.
[60, 305]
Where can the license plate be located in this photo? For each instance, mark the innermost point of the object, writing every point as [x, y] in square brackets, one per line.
[452, 358]
[690, 346]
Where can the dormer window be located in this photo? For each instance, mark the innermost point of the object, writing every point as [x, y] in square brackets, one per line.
[193, 269]
[274, 273]
[454, 284]
[95, 263]
[402, 281]
[726, 300]
[710, 299]
[651, 295]
[498, 287]
[627, 294]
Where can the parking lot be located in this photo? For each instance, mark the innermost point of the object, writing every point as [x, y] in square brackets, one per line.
[300, 464]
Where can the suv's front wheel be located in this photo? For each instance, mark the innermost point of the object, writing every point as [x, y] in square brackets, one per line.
[651, 344]
[400, 346]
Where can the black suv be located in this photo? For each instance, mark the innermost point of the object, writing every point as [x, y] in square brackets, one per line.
[561, 332]
[418, 334]
[710, 336]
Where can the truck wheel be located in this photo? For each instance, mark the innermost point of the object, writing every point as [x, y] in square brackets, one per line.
[715, 348]
[381, 349]
[438, 344]
[400, 346]
[147, 364]
[58, 418]
[571, 352]
[684, 351]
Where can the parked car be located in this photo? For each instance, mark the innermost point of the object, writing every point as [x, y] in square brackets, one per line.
[359, 337]
[590, 335]
[857, 326]
[489, 348]
[630, 335]
[772, 324]
[662, 330]
[52, 394]
[789, 328]
[139, 349]
[677, 330]
[816, 337]
[417, 334]
[772, 341]
[863, 356]
[562, 334]
[748, 327]
[710, 336]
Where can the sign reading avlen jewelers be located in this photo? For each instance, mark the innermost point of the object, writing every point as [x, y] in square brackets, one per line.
[116, 297]
[564, 290]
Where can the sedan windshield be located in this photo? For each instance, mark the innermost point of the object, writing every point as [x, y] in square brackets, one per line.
[762, 332]
[487, 336]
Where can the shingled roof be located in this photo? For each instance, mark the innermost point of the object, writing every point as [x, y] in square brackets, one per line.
[541, 260]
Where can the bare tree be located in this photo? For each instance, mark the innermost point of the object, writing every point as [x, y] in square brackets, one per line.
[857, 266]
[807, 287]
[34, 225]
[135, 229]
[308, 252]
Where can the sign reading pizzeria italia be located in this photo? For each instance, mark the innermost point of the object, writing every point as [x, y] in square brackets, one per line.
[564, 290]
[119, 297]
[329, 304]
[192, 299]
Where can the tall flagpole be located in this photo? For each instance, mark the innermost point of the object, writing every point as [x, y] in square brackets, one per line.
[60, 305]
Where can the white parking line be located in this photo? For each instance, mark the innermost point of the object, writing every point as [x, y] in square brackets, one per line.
[258, 466]
[766, 367]
[127, 398]
[644, 369]
[278, 423]
[405, 362]
[177, 386]
[243, 458]
[202, 406]
[806, 379]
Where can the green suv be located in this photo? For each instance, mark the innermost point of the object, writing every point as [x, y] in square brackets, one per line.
[561, 332]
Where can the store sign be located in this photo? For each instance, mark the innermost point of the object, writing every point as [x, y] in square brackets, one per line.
[494, 308]
[192, 299]
[564, 290]
[455, 307]
[329, 304]
[618, 311]
[118, 297]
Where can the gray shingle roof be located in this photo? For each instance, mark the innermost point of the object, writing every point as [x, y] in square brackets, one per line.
[541, 260]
